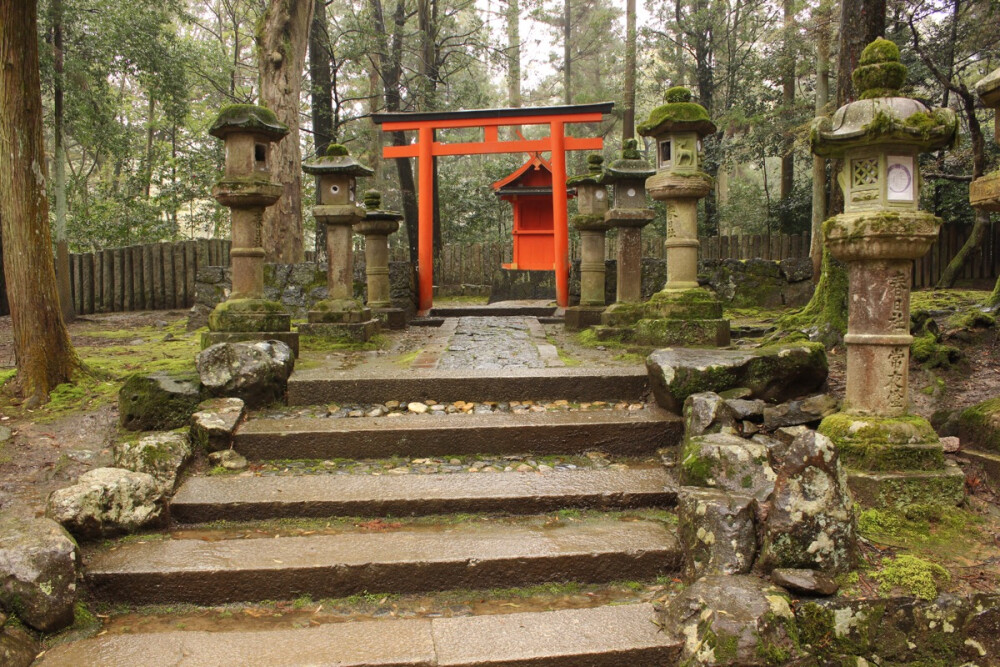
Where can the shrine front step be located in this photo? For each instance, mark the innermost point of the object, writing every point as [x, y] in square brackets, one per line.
[205, 499]
[606, 636]
[321, 385]
[613, 432]
[419, 558]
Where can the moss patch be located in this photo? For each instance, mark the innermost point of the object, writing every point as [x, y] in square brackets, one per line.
[916, 576]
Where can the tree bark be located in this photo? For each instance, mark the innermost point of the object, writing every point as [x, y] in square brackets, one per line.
[628, 118]
[59, 163]
[42, 350]
[567, 55]
[321, 100]
[281, 52]
[787, 100]
[513, 53]
[822, 34]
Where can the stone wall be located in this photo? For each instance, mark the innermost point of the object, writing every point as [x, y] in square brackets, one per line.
[297, 286]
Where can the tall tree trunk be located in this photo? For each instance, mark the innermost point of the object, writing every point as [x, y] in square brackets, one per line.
[567, 54]
[321, 101]
[59, 163]
[788, 99]
[427, 11]
[281, 53]
[150, 132]
[42, 350]
[628, 118]
[821, 30]
[513, 53]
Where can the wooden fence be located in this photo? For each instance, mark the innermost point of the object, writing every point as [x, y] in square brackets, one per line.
[984, 264]
[155, 276]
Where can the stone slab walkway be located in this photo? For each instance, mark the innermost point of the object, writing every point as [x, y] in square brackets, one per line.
[489, 343]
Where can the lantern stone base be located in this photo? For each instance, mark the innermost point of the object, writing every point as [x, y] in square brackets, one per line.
[672, 318]
[339, 311]
[984, 192]
[289, 338]
[355, 332]
[579, 318]
[392, 318]
[894, 461]
[249, 315]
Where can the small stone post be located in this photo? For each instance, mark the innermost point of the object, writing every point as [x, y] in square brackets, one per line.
[984, 192]
[682, 313]
[892, 458]
[340, 315]
[377, 226]
[592, 204]
[246, 188]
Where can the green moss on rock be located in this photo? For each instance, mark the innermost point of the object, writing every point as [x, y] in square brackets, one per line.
[979, 425]
[916, 576]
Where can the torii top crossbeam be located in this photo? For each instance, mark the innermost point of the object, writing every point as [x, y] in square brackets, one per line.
[490, 120]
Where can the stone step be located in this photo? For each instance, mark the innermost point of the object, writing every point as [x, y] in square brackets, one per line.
[608, 636]
[412, 559]
[494, 310]
[615, 432]
[204, 499]
[312, 386]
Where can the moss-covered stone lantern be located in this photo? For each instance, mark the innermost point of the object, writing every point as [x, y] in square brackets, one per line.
[376, 227]
[340, 315]
[246, 188]
[630, 214]
[682, 313]
[592, 204]
[984, 192]
[893, 458]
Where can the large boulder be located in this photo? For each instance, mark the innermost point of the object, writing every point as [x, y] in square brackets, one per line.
[727, 462]
[776, 373]
[732, 620]
[162, 455]
[38, 562]
[158, 402]
[256, 372]
[810, 517]
[106, 502]
[716, 530]
[979, 426]
[212, 427]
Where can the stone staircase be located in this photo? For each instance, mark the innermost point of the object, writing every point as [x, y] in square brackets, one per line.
[460, 530]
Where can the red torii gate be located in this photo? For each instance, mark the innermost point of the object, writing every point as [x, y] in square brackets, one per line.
[426, 148]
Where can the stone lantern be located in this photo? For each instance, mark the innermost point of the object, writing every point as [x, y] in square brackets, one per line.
[984, 192]
[376, 227]
[893, 458]
[592, 204]
[246, 188]
[340, 315]
[682, 313]
[630, 214]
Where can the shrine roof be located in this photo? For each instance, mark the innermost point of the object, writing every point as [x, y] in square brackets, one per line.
[488, 114]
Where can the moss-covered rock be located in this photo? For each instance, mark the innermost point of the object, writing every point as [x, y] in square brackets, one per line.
[255, 372]
[247, 118]
[728, 462]
[245, 315]
[158, 402]
[162, 455]
[18, 647]
[677, 115]
[213, 425]
[107, 501]
[775, 373]
[884, 443]
[979, 425]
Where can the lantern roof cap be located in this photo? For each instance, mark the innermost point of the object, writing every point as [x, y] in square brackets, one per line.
[630, 166]
[593, 176]
[882, 116]
[248, 118]
[679, 114]
[337, 160]
[989, 88]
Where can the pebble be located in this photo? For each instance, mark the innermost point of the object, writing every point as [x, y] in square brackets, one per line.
[228, 459]
[417, 408]
[951, 444]
[355, 413]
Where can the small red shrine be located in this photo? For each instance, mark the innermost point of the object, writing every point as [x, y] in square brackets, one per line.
[529, 191]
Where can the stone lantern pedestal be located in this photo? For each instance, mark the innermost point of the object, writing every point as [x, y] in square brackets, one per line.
[984, 193]
[893, 458]
[682, 313]
[246, 188]
[592, 204]
[629, 215]
[376, 227]
[340, 315]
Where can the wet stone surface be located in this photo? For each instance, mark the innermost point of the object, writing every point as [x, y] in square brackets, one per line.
[408, 408]
[492, 343]
[484, 464]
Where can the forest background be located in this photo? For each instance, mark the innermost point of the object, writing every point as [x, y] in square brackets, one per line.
[131, 88]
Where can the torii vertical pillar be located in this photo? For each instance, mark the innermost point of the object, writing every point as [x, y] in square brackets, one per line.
[560, 214]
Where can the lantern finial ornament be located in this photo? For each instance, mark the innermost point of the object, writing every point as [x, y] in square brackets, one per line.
[879, 139]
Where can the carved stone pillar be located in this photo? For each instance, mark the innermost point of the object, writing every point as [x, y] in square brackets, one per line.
[376, 227]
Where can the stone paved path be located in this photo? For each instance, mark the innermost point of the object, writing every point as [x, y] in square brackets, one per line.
[490, 343]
